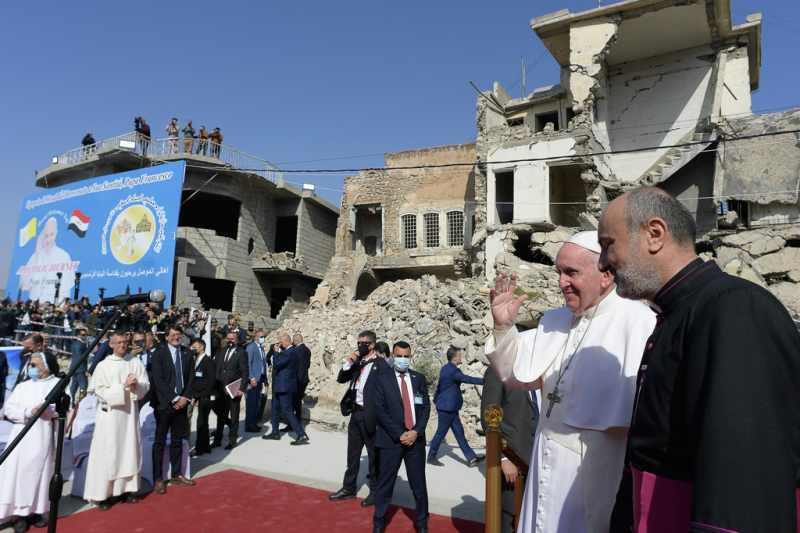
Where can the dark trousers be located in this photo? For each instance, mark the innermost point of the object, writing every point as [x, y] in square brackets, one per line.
[252, 400]
[230, 411]
[173, 422]
[282, 401]
[297, 400]
[389, 460]
[201, 441]
[450, 420]
[357, 438]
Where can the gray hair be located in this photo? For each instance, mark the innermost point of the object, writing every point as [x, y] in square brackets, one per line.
[647, 203]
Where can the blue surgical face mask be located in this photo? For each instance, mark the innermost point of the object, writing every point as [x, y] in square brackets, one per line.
[401, 363]
[33, 373]
[262, 340]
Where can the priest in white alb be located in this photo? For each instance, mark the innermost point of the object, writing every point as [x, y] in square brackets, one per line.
[115, 457]
[25, 475]
[584, 357]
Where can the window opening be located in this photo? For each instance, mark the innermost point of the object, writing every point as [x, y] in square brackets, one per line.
[455, 228]
[504, 197]
[431, 230]
[409, 231]
[286, 234]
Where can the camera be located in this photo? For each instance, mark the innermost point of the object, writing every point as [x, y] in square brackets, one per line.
[137, 121]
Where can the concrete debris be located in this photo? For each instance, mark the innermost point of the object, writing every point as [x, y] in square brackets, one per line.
[457, 313]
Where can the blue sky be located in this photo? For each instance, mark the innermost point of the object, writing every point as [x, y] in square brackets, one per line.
[289, 82]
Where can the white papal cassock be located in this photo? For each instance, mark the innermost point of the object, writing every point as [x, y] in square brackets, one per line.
[25, 475]
[579, 450]
[115, 457]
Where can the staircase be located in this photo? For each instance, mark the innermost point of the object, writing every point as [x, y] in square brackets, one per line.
[677, 158]
[288, 308]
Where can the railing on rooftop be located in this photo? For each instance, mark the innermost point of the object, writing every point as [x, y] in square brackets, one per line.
[157, 148]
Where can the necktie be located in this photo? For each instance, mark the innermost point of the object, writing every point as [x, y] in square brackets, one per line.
[178, 373]
[409, 416]
[263, 362]
[228, 356]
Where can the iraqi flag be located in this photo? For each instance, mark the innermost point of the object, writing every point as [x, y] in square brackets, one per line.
[79, 223]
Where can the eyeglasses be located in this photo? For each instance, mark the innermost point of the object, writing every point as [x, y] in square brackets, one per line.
[364, 343]
[33, 365]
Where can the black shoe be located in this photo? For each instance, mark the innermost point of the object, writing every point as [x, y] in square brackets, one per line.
[42, 522]
[435, 462]
[369, 501]
[197, 453]
[300, 440]
[422, 530]
[129, 497]
[284, 429]
[270, 436]
[104, 505]
[230, 446]
[477, 459]
[342, 494]
[21, 525]
[254, 429]
[379, 530]
[216, 444]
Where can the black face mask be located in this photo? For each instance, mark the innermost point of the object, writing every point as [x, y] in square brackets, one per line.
[193, 352]
[363, 349]
[26, 351]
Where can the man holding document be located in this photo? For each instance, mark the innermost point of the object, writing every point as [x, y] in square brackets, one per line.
[232, 370]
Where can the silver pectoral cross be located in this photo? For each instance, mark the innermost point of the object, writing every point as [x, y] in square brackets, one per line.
[554, 399]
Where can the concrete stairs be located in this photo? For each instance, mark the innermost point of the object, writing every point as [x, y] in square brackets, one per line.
[288, 308]
[677, 158]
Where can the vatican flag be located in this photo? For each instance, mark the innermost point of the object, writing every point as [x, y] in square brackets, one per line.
[27, 233]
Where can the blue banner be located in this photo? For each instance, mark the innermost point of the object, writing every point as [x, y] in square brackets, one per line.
[13, 358]
[115, 231]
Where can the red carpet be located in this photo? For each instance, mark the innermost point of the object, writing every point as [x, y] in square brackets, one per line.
[236, 501]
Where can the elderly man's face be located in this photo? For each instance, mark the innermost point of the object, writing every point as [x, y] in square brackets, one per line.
[579, 279]
[174, 338]
[286, 341]
[49, 236]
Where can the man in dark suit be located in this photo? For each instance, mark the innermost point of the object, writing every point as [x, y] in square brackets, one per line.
[173, 381]
[257, 365]
[233, 327]
[80, 381]
[31, 343]
[231, 366]
[520, 416]
[304, 362]
[103, 350]
[205, 388]
[284, 383]
[447, 400]
[360, 370]
[402, 407]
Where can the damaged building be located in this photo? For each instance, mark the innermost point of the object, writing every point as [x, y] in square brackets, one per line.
[248, 243]
[415, 216]
[650, 93]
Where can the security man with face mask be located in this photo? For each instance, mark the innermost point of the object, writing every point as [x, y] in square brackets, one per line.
[257, 364]
[205, 388]
[31, 343]
[360, 370]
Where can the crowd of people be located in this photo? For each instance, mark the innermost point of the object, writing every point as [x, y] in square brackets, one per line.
[679, 415]
[196, 141]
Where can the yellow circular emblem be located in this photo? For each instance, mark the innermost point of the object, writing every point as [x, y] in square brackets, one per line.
[132, 234]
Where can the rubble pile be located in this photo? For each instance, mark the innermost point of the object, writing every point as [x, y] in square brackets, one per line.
[429, 314]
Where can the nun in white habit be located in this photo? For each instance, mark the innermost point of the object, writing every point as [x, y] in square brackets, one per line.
[25, 475]
[584, 357]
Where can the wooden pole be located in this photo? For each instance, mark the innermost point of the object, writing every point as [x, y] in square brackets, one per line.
[494, 474]
[519, 492]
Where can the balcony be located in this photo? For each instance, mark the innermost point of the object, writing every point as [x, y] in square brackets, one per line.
[164, 150]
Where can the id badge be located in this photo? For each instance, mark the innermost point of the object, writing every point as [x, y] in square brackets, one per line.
[199, 374]
[418, 399]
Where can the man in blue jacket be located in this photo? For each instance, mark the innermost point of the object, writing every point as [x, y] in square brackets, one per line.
[448, 401]
[284, 383]
[257, 363]
[402, 408]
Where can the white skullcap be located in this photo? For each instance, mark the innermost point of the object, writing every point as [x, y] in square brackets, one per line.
[586, 239]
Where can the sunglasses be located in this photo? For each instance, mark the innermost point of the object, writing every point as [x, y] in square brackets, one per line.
[364, 343]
